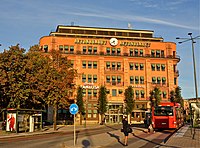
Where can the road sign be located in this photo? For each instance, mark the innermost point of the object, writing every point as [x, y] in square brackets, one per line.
[73, 109]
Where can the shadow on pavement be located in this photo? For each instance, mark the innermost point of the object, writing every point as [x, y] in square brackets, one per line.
[111, 127]
[116, 137]
[152, 142]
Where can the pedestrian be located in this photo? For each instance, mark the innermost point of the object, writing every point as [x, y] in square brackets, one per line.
[125, 130]
[149, 124]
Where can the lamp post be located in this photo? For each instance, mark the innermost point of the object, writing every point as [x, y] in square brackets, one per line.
[194, 64]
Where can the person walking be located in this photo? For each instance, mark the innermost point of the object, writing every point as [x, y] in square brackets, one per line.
[125, 130]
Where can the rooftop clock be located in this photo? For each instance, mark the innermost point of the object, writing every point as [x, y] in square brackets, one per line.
[113, 41]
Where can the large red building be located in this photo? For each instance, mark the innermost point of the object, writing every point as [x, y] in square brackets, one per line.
[117, 58]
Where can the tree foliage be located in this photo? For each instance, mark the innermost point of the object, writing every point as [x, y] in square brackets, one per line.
[175, 96]
[155, 97]
[102, 101]
[32, 79]
[129, 101]
[79, 102]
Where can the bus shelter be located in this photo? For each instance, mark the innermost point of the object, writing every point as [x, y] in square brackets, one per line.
[23, 120]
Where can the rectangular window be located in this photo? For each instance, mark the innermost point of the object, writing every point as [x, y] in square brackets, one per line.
[158, 67]
[95, 65]
[45, 48]
[154, 80]
[131, 66]
[131, 52]
[90, 64]
[137, 94]
[89, 78]
[118, 79]
[141, 80]
[136, 80]
[120, 91]
[89, 92]
[84, 49]
[83, 64]
[141, 52]
[71, 49]
[114, 92]
[157, 53]
[118, 65]
[118, 51]
[95, 78]
[141, 66]
[72, 63]
[83, 78]
[113, 80]
[136, 66]
[136, 52]
[113, 65]
[142, 93]
[175, 81]
[113, 51]
[163, 67]
[66, 48]
[163, 80]
[108, 51]
[162, 53]
[153, 67]
[107, 79]
[95, 50]
[131, 80]
[152, 53]
[107, 65]
[95, 93]
[89, 50]
[61, 47]
[164, 94]
[158, 80]
[84, 92]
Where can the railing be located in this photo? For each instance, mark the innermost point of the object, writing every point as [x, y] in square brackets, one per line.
[122, 54]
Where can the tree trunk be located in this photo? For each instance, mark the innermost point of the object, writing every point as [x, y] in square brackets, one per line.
[54, 117]
[81, 117]
[102, 119]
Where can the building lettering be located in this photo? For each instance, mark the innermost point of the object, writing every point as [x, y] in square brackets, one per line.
[136, 44]
[89, 86]
[93, 42]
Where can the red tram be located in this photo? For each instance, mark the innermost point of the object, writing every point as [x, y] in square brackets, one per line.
[167, 115]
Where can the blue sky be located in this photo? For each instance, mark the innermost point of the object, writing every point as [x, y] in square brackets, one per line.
[25, 21]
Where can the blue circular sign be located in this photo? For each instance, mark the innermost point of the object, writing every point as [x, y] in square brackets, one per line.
[73, 109]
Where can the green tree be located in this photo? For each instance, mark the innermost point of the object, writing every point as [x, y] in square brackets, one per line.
[129, 100]
[79, 102]
[57, 82]
[14, 78]
[175, 96]
[172, 96]
[155, 97]
[102, 102]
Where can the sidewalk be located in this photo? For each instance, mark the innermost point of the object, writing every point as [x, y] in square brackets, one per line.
[48, 130]
[91, 141]
[183, 138]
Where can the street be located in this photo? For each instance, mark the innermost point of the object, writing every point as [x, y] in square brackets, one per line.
[105, 136]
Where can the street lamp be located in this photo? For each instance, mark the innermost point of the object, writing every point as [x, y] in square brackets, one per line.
[194, 65]
[193, 55]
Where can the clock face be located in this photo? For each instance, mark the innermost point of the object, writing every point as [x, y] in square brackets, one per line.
[113, 41]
